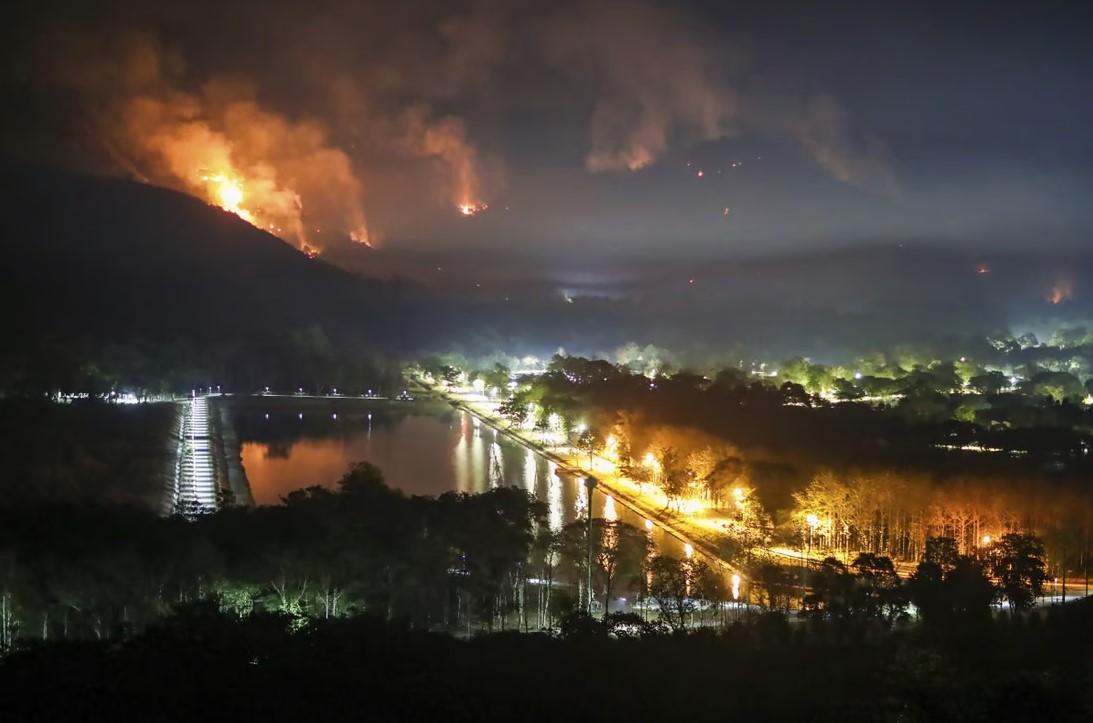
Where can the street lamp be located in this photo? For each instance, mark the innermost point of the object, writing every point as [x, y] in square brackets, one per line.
[590, 485]
[813, 522]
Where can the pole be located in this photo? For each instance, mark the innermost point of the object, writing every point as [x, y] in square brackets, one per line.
[1064, 575]
[590, 484]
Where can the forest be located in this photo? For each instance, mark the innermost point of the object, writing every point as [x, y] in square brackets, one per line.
[362, 600]
[804, 469]
[458, 563]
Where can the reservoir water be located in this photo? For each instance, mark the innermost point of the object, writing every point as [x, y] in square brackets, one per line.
[423, 448]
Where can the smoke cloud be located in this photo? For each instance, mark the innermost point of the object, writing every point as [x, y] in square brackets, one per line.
[660, 85]
[215, 141]
[823, 131]
[656, 83]
[404, 107]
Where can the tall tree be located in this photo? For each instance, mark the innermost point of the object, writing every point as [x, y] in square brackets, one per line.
[622, 550]
[1017, 561]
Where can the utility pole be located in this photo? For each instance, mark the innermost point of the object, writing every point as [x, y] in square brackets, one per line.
[590, 485]
[1064, 574]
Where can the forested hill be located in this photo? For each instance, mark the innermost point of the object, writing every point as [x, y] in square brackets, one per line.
[113, 262]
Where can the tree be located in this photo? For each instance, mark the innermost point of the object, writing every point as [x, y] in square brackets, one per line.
[498, 376]
[845, 390]
[950, 597]
[670, 585]
[795, 370]
[794, 394]
[515, 408]
[820, 379]
[1017, 562]
[941, 551]
[879, 594]
[989, 383]
[620, 552]
[730, 378]
[774, 583]
[715, 469]
[542, 424]
[590, 443]
[832, 589]
[922, 402]
[672, 474]
[1028, 340]
[1057, 385]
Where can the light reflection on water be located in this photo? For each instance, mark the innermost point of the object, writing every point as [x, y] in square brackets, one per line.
[422, 449]
[497, 472]
[554, 496]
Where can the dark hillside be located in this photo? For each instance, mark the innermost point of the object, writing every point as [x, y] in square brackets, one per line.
[92, 262]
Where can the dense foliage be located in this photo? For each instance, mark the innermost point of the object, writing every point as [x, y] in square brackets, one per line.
[205, 663]
[807, 470]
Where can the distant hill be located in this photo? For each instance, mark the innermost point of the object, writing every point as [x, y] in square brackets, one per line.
[100, 255]
[109, 261]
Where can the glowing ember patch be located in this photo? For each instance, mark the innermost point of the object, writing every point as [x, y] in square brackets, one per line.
[470, 209]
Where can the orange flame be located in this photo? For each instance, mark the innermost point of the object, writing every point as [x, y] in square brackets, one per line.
[1060, 292]
[471, 209]
[227, 193]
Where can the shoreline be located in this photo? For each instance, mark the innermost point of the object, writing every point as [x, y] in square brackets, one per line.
[604, 483]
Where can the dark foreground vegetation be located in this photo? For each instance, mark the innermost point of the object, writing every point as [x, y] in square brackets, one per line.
[203, 663]
[364, 601]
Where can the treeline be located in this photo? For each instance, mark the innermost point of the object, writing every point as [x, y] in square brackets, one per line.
[203, 662]
[456, 562]
[931, 410]
[304, 358]
[772, 457]
[896, 514]
[951, 592]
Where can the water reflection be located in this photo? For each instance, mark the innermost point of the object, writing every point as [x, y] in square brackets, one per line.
[497, 472]
[554, 498]
[461, 460]
[422, 449]
[531, 471]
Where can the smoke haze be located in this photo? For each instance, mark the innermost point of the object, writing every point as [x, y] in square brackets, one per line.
[308, 122]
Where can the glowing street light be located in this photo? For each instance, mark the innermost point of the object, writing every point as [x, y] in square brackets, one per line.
[735, 587]
[986, 539]
[813, 522]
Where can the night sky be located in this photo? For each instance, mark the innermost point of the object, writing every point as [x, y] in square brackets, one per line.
[751, 127]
